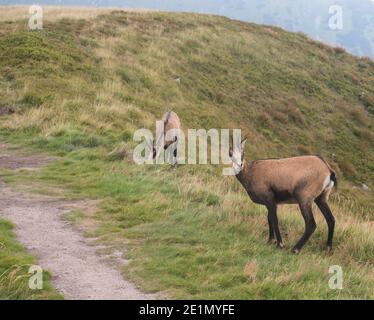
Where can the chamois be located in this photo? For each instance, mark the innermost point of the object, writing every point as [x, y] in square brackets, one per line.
[172, 124]
[298, 180]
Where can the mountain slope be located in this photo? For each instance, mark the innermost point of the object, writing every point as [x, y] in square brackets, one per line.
[310, 17]
[290, 93]
[81, 87]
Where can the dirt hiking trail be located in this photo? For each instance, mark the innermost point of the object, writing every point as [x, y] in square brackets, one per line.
[77, 271]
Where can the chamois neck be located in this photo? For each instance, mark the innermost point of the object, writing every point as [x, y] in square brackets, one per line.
[241, 176]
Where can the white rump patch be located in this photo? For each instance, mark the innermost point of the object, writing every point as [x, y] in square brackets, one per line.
[328, 184]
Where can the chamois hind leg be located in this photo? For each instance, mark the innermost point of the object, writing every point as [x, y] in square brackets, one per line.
[325, 209]
[273, 223]
[175, 157]
[310, 224]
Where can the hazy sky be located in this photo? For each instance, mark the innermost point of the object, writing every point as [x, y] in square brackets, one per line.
[318, 18]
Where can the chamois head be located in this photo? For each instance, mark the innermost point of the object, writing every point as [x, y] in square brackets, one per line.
[236, 153]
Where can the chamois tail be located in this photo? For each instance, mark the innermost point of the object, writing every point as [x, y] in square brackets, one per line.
[333, 177]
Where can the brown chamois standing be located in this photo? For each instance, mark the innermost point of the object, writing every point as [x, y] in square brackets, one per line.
[172, 124]
[299, 180]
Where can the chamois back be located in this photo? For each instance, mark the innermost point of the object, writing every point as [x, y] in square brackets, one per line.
[171, 121]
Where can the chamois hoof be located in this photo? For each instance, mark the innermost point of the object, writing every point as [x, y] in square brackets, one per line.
[295, 251]
[271, 241]
[329, 250]
[280, 245]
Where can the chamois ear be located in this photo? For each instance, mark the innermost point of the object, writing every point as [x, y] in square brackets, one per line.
[242, 145]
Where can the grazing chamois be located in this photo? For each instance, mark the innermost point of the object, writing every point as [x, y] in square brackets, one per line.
[299, 180]
[172, 124]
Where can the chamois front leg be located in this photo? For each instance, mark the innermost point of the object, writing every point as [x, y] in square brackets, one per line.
[273, 224]
[310, 224]
[271, 229]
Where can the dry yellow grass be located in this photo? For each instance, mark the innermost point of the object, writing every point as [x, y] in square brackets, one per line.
[250, 270]
[54, 13]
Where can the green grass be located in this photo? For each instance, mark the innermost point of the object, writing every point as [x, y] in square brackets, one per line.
[14, 267]
[190, 232]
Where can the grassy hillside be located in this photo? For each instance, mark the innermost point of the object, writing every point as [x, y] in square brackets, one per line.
[291, 95]
[80, 87]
